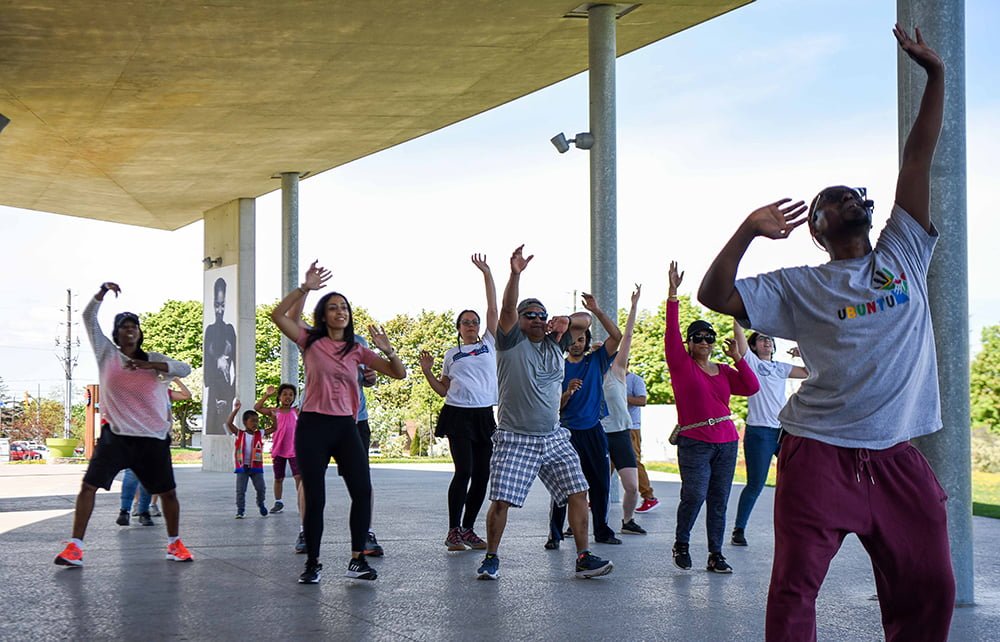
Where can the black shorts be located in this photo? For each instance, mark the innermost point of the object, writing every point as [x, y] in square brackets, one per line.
[474, 424]
[148, 457]
[621, 451]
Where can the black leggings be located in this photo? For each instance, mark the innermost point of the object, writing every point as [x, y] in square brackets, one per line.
[472, 464]
[317, 438]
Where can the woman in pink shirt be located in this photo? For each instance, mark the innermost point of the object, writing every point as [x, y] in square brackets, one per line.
[706, 437]
[327, 424]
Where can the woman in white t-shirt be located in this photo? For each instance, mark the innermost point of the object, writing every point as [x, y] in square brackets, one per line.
[760, 439]
[468, 383]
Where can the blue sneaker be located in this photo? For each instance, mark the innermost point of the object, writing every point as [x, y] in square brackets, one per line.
[263, 510]
[588, 566]
[490, 568]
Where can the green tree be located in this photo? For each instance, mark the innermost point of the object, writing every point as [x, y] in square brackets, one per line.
[393, 404]
[175, 330]
[647, 358]
[985, 381]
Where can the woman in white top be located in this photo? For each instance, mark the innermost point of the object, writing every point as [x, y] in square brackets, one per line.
[760, 439]
[468, 382]
[618, 424]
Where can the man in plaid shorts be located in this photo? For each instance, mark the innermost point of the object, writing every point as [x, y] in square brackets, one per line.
[528, 441]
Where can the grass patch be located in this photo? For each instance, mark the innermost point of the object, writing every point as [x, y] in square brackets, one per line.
[409, 460]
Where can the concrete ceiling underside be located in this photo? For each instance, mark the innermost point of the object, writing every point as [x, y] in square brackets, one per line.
[150, 113]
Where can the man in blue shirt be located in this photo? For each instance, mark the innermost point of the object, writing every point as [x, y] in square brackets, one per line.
[581, 408]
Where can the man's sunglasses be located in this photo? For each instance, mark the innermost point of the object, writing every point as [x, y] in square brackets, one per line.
[703, 338]
[535, 315]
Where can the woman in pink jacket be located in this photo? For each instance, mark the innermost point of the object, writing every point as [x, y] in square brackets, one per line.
[706, 437]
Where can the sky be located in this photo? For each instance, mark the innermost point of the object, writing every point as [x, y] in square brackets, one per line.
[777, 99]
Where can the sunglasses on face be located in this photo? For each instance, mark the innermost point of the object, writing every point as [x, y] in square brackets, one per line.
[469, 322]
[535, 315]
[703, 338]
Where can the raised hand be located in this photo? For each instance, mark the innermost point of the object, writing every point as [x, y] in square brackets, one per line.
[270, 391]
[675, 278]
[777, 220]
[557, 326]
[794, 351]
[105, 288]
[479, 260]
[636, 293]
[517, 260]
[917, 49]
[732, 350]
[380, 339]
[426, 361]
[590, 303]
[316, 277]
[237, 405]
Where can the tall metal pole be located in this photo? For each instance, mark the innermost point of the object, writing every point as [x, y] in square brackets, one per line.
[68, 367]
[603, 162]
[289, 267]
[942, 23]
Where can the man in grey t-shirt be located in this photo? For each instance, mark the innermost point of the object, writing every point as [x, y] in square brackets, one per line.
[528, 441]
[863, 326]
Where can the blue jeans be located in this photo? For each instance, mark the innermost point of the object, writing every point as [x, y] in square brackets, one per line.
[242, 478]
[706, 477]
[760, 443]
[129, 483]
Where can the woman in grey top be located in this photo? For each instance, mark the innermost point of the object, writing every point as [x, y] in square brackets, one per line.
[618, 424]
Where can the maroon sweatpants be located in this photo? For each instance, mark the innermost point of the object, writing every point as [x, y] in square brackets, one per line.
[893, 502]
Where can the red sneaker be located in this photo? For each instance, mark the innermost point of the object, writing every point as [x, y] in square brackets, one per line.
[71, 556]
[178, 552]
[648, 504]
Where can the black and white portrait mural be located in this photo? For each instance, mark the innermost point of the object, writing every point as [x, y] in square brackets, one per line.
[220, 347]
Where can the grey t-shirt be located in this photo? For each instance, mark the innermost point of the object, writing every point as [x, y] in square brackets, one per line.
[864, 330]
[529, 381]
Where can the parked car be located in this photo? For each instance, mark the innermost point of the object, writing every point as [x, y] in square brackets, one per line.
[23, 453]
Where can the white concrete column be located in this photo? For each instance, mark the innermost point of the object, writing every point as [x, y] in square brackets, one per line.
[289, 267]
[230, 235]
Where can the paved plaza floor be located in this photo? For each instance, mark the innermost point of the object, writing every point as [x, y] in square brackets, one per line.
[242, 584]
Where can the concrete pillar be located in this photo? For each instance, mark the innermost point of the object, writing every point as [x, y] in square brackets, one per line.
[603, 162]
[942, 23]
[289, 267]
[229, 234]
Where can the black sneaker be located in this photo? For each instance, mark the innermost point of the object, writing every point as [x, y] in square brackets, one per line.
[588, 566]
[682, 556]
[358, 569]
[145, 519]
[278, 506]
[312, 573]
[551, 544]
[300, 543]
[608, 539]
[123, 518]
[717, 564]
[739, 539]
[372, 548]
[263, 510]
[631, 527]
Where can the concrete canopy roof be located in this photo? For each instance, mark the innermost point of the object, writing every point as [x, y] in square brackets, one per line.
[151, 113]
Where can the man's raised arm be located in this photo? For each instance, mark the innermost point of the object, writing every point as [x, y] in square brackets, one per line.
[913, 187]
